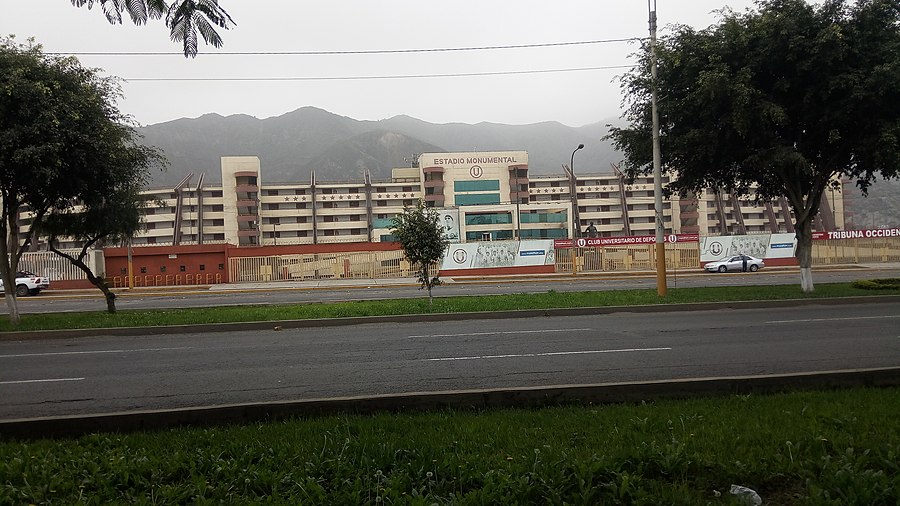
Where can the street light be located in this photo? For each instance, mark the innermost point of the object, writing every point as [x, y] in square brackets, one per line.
[572, 188]
[572, 161]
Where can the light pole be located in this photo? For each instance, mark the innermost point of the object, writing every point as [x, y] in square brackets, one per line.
[657, 161]
[833, 210]
[576, 216]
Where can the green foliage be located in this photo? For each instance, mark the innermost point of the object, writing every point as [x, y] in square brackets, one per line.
[185, 18]
[67, 154]
[779, 101]
[877, 284]
[388, 308]
[835, 447]
[420, 234]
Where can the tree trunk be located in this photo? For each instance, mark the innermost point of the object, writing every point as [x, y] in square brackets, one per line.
[101, 284]
[11, 305]
[426, 275]
[804, 255]
[8, 272]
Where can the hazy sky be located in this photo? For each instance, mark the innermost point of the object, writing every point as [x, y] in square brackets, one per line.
[378, 90]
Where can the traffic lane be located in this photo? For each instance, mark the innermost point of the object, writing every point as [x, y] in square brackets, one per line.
[361, 360]
[46, 303]
[115, 374]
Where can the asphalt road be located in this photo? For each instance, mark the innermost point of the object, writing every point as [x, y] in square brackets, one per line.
[287, 293]
[106, 374]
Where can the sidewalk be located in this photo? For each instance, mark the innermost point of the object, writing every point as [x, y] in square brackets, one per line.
[314, 284]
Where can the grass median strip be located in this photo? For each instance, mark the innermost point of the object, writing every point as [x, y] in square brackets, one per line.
[835, 447]
[474, 303]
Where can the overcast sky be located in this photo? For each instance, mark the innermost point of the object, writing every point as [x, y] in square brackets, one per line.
[573, 97]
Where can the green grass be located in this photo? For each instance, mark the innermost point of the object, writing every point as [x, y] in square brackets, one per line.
[812, 448]
[552, 299]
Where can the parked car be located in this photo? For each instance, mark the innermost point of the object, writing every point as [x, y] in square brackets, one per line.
[28, 283]
[737, 263]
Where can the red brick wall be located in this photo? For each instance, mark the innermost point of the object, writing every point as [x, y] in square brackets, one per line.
[168, 265]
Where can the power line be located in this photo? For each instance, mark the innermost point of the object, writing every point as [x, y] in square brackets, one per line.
[356, 52]
[361, 78]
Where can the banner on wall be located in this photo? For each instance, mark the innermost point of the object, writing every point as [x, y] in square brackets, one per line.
[585, 242]
[857, 234]
[492, 254]
[765, 246]
[450, 222]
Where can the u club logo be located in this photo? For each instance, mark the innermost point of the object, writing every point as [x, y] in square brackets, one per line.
[476, 171]
[459, 256]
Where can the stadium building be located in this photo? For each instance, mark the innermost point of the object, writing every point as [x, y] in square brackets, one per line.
[481, 196]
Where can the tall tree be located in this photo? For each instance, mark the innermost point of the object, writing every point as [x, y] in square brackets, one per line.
[784, 100]
[112, 212]
[185, 18]
[421, 235]
[61, 140]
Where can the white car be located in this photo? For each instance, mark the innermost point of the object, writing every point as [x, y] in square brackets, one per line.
[28, 283]
[737, 263]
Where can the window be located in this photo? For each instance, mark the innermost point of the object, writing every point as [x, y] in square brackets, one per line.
[478, 199]
[477, 186]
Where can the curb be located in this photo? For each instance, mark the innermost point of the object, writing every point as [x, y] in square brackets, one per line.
[530, 397]
[435, 317]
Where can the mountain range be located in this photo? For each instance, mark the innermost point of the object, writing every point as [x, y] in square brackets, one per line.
[340, 148]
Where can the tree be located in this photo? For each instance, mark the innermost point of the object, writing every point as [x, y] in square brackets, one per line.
[782, 101]
[112, 213]
[185, 18]
[421, 235]
[62, 142]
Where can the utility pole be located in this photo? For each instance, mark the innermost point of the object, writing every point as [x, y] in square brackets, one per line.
[657, 161]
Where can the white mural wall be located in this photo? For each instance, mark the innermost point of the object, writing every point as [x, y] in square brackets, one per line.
[491, 254]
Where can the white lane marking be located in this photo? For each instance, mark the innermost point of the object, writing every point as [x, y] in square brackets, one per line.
[501, 332]
[39, 381]
[547, 354]
[22, 355]
[835, 319]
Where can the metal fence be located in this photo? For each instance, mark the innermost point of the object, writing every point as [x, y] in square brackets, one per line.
[57, 268]
[856, 251]
[362, 265]
[638, 257]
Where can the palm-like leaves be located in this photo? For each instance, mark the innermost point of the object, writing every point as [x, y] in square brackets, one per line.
[185, 18]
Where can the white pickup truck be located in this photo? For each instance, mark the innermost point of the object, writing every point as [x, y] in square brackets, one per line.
[28, 283]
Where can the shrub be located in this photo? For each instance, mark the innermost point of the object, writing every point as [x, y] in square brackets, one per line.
[877, 284]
